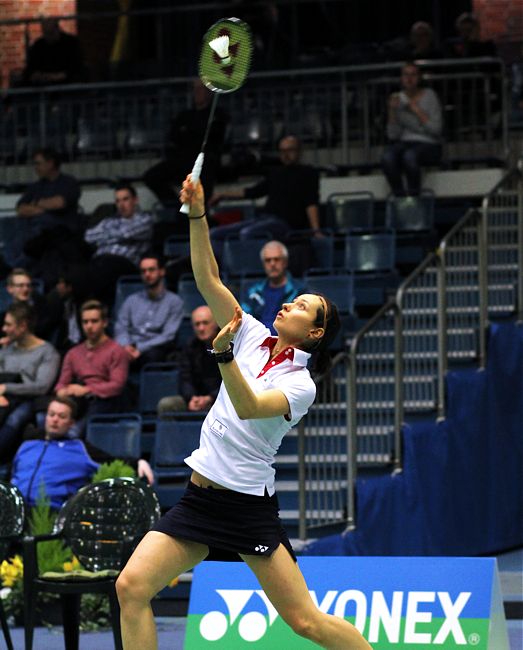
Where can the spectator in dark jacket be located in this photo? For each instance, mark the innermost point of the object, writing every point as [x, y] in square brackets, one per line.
[200, 377]
[54, 58]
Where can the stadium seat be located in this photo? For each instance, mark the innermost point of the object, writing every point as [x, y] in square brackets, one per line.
[350, 210]
[174, 440]
[157, 380]
[409, 214]
[241, 256]
[337, 286]
[176, 246]
[117, 434]
[370, 253]
[125, 286]
[188, 292]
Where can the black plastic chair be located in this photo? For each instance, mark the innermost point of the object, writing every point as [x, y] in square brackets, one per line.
[101, 523]
[12, 516]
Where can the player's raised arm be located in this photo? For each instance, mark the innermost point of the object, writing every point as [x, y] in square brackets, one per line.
[204, 265]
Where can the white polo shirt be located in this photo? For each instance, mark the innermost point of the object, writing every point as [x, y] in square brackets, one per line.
[238, 454]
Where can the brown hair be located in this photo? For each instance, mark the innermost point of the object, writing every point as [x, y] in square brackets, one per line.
[95, 304]
[22, 312]
[327, 317]
[66, 401]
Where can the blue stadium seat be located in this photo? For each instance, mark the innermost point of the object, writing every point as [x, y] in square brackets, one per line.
[157, 380]
[188, 292]
[117, 434]
[350, 210]
[337, 286]
[322, 247]
[370, 253]
[241, 256]
[174, 441]
[176, 246]
[125, 286]
[371, 257]
[409, 214]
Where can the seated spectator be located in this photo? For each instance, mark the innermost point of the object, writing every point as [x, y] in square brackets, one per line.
[120, 241]
[292, 199]
[414, 127]
[28, 368]
[468, 43]
[19, 285]
[265, 298]
[147, 322]
[50, 458]
[200, 377]
[94, 372]
[421, 43]
[62, 300]
[54, 58]
[184, 141]
[49, 209]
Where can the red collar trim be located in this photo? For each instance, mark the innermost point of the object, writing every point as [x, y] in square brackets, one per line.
[287, 353]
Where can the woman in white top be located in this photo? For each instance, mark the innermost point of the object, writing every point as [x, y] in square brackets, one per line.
[414, 127]
[229, 510]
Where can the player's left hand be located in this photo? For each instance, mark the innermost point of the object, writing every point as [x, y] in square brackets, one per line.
[226, 334]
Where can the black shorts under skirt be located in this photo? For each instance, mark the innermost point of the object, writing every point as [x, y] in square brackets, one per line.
[228, 522]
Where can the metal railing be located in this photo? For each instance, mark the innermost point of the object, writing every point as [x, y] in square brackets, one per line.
[397, 363]
[338, 112]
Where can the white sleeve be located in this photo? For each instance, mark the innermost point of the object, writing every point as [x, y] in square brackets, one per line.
[299, 389]
[251, 331]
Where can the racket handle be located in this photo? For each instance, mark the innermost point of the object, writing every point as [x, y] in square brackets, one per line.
[195, 177]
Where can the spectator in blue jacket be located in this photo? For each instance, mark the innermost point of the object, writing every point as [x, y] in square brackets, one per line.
[148, 320]
[265, 298]
[57, 464]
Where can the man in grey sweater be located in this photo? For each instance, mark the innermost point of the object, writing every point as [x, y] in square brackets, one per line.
[28, 369]
[414, 127]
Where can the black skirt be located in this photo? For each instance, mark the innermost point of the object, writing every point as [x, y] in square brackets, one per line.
[228, 522]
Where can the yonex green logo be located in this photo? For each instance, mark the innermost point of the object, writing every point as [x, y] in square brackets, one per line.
[381, 616]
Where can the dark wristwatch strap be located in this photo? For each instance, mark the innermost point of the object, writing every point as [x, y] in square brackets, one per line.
[223, 357]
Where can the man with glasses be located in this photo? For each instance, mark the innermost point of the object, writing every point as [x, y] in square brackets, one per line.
[19, 286]
[148, 320]
[292, 190]
[265, 298]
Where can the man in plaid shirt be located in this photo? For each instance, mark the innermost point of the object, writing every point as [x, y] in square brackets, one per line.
[120, 242]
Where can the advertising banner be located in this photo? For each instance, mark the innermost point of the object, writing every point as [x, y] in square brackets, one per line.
[397, 603]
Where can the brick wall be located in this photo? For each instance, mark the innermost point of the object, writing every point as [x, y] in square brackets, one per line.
[501, 20]
[13, 37]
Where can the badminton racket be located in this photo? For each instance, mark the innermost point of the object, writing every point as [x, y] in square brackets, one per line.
[225, 60]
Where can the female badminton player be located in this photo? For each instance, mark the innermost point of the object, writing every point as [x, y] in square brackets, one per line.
[229, 509]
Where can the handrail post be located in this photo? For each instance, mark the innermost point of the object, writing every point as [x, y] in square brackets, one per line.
[302, 498]
[352, 441]
[397, 461]
[483, 282]
[520, 240]
[344, 121]
[442, 330]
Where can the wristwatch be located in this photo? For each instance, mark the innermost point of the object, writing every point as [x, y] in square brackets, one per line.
[223, 357]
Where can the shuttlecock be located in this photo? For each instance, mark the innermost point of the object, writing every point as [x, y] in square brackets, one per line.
[221, 46]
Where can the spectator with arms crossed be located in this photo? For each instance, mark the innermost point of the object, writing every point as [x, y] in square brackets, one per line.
[120, 241]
